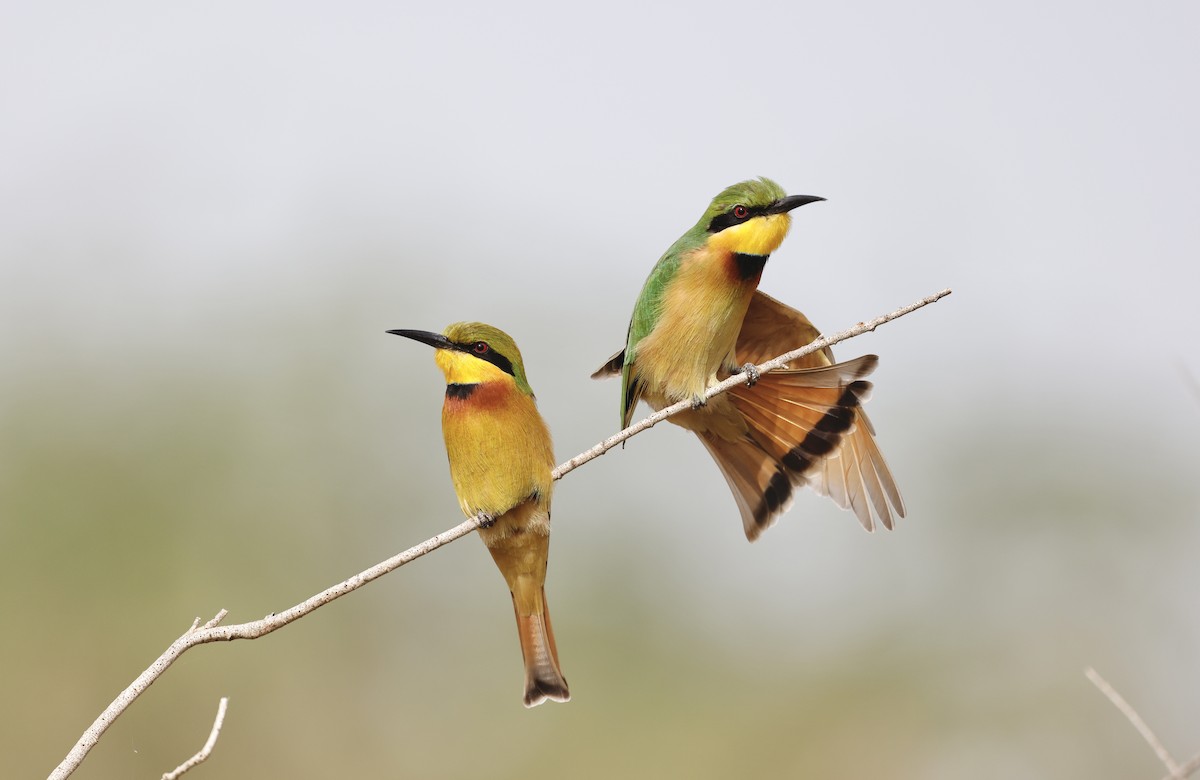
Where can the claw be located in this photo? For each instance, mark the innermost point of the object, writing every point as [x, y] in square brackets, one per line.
[698, 401]
[486, 521]
[752, 374]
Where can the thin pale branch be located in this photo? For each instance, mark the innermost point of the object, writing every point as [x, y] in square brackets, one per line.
[741, 379]
[1176, 772]
[212, 631]
[202, 755]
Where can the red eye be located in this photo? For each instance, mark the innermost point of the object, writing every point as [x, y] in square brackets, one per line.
[480, 347]
[741, 212]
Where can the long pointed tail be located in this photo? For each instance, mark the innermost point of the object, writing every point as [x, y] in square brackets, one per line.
[806, 427]
[543, 678]
[520, 544]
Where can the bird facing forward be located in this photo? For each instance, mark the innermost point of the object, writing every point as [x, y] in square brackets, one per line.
[501, 458]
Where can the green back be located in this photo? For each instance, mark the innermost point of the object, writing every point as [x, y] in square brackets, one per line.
[648, 309]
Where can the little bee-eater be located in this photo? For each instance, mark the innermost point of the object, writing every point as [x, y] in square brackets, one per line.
[501, 457]
[700, 316]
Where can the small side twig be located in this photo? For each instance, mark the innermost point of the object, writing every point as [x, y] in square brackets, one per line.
[203, 753]
[1176, 772]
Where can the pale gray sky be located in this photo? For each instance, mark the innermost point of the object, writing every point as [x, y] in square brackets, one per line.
[1039, 158]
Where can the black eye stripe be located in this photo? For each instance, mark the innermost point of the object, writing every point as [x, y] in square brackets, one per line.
[489, 354]
[728, 218]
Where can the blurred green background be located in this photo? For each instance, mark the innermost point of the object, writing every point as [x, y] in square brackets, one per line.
[210, 214]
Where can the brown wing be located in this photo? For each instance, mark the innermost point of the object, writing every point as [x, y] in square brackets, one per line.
[785, 414]
[772, 328]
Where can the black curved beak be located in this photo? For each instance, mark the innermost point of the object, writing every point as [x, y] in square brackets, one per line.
[784, 205]
[435, 340]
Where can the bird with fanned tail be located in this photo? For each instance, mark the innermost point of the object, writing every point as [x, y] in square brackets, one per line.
[700, 318]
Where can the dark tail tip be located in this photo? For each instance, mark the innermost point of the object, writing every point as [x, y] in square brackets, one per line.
[539, 689]
[612, 367]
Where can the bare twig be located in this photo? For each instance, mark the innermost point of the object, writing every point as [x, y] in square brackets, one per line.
[202, 754]
[1176, 772]
[212, 631]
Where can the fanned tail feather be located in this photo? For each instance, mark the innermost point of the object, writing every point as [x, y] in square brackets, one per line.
[858, 467]
[761, 487]
[806, 427]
